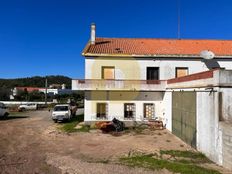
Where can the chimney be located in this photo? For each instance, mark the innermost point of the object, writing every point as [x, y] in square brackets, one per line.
[93, 33]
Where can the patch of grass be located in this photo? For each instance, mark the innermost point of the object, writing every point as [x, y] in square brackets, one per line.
[69, 126]
[148, 161]
[84, 128]
[135, 129]
[193, 156]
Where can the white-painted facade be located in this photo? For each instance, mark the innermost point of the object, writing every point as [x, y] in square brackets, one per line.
[136, 68]
[116, 104]
[115, 93]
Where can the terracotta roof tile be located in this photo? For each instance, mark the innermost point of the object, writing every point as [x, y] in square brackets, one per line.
[127, 46]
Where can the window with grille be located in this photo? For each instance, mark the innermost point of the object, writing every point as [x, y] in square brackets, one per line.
[102, 110]
[149, 110]
[129, 110]
[181, 71]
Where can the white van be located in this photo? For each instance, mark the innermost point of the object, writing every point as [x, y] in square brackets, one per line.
[3, 111]
[61, 113]
[26, 107]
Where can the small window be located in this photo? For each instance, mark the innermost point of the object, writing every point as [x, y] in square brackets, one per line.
[102, 110]
[181, 71]
[108, 72]
[149, 111]
[129, 110]
[152, 73]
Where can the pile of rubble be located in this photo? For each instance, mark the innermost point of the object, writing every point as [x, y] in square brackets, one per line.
[118, 126]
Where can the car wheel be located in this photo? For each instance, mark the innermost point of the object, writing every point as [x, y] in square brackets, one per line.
[5, 115]
[55, 121]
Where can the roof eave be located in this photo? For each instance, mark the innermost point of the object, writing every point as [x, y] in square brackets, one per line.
[148, 55]
[85, 50]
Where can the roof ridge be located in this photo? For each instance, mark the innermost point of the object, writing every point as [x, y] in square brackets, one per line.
[183, 39]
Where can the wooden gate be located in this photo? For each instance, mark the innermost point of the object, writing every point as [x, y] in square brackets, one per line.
[184, 116]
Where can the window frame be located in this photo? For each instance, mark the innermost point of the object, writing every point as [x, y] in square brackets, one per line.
[102, 72]
[181, 68]
[106, 111]
[144, 110]
[133, 111]
[158, 68]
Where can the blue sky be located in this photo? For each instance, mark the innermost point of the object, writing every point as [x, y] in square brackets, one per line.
[46, 37]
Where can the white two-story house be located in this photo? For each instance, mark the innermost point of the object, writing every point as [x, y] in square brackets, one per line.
[134, 79]
[126, 78]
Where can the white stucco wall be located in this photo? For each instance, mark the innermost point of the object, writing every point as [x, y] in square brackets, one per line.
[167, 110]
[136, 68]
[226, 104]
[208, 138]
[116, 104]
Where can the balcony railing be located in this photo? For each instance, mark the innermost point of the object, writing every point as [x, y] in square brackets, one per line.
[131, 85]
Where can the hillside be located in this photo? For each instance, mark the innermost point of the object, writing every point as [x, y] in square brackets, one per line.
[35, 81]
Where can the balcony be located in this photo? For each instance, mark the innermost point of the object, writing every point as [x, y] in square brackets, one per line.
[127, 85]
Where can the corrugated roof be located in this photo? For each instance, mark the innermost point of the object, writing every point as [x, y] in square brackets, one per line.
[156, 47]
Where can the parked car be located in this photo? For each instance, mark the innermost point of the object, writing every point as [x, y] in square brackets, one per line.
[3, 111]
[61, 113]
[25, 107]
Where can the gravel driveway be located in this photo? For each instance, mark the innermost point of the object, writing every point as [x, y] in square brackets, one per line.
[33, 144]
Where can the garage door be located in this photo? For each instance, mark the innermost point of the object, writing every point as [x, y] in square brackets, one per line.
[184, 116]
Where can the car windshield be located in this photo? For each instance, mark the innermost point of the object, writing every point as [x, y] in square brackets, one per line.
[61, 108]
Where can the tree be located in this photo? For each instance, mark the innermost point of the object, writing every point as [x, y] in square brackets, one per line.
[36, 96]
[4, 94]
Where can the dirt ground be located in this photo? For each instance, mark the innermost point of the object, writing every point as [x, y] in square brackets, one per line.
[33, 145]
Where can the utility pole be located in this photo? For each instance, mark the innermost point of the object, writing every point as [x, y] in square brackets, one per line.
[46, 90]
[178, 18]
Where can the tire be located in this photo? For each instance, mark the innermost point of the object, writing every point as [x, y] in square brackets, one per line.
[6, 115]
[55, 121]
[22, 109]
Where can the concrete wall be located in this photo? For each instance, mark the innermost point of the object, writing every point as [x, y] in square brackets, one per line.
[167, 110]
[226, 133]
[226, 104]
[136, 68]
[208, 140]
[214, 116]
[116, 100]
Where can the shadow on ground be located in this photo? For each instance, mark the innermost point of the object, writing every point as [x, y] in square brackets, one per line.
[13, 117]
[74, 119]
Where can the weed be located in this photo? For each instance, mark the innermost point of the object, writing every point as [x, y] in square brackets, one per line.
[183, 167]
[193, 156]
[70, 126]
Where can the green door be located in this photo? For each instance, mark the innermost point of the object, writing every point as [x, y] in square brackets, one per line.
[184, 116]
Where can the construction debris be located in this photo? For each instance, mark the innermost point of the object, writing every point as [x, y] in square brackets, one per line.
[156, 124]
[113, 126]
